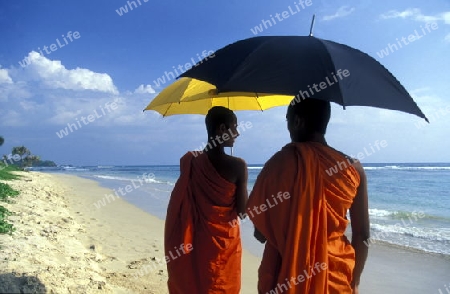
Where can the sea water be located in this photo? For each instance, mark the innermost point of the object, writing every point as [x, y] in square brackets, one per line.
[409, 204]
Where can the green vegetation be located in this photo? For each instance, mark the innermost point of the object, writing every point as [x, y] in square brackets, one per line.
[21, 156]
[6, 192]
[5, 172]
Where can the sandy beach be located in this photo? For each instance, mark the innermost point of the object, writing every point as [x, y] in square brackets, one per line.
[64, 244]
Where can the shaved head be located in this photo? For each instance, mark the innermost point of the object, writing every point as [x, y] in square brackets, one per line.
[216, 116]
[313, 113]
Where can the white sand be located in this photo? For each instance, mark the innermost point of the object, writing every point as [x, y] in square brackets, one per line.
[64, 244]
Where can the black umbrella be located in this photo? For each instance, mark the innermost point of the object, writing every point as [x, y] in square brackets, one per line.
[305, 67]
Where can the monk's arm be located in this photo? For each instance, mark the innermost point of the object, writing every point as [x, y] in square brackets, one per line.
[359, 214]
[259, 236]
[241, 188]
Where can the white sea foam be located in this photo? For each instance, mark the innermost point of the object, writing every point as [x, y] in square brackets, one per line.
[434, 234]
[112, 178]
[74, 168]
[146, 179]
[435, 240]
[380, 212]
[407, 167]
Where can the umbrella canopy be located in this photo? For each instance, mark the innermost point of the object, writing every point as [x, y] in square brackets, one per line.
[306, 67]
[191, 96]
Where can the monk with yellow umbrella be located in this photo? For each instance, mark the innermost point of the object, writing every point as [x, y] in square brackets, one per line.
[202, 234]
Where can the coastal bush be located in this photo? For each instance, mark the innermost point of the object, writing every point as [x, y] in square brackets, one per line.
[5, 227]
[5, 172]
[6, 192]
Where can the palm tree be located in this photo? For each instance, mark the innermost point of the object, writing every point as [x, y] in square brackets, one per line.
[28, 161]
[23, 152]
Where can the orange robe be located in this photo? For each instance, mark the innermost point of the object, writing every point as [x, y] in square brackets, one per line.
[306, 250]
[200, 208]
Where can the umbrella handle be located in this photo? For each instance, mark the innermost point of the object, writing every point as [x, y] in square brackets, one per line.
[312, 25]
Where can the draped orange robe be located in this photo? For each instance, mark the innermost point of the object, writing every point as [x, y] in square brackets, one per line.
[200, 208]
[306, 250]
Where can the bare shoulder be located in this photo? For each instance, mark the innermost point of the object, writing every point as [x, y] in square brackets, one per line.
[359, 167]
[235, 169]
[355, 163]
[237, 163]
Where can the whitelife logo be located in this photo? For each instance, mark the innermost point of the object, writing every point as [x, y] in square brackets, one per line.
[71, 36]
[341, 165]
[262, 208]
[342, 74]
[124, 9]
[411, 38]
[171, 75]
[280, 16]
[110, 106]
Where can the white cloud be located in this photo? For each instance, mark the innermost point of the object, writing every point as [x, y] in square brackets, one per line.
[144, 90]
[403, 14]
[12, 118]
[28, 105]
[45, 92]
[341, 12]
[446, 17]
[13, 91]
[447, 38]
[416, 15]
[52, 74]
[4, 77]
[107, 110]
[64, 115]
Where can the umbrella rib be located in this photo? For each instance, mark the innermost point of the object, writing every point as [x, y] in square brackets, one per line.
[334, 67]
[167, 110]
[257, 100]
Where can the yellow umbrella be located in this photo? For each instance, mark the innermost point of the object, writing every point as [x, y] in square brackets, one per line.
[191, 96]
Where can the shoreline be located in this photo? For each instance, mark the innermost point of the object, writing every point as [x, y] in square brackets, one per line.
[348, 232]
[64, 243]
[254, 247]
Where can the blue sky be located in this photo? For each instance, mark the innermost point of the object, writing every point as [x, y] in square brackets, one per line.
[108, 72]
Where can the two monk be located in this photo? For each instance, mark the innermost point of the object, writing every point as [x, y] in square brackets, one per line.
[203, 251]
[297, 208]
[306, 250]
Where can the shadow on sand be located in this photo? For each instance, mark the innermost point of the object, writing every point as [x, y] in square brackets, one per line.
[10, 283]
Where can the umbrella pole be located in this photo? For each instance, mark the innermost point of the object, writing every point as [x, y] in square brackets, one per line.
[231, 151]
[312, 26]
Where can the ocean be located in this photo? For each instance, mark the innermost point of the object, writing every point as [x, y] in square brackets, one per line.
[409, 203]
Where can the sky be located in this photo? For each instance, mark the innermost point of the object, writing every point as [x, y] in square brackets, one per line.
[65, 61]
